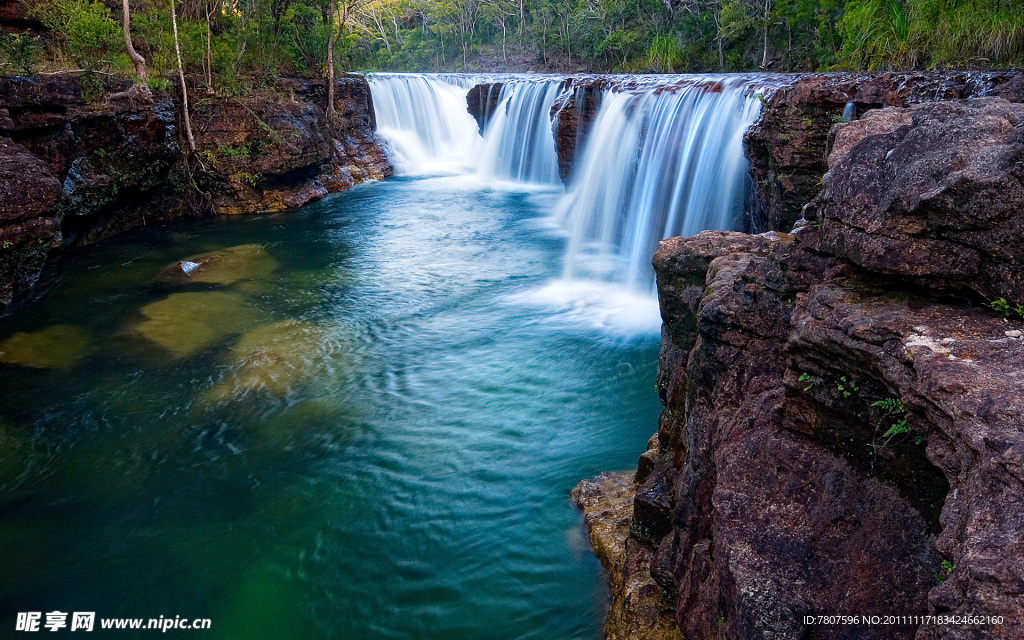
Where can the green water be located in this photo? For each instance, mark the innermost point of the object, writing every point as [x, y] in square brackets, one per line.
[366, 425]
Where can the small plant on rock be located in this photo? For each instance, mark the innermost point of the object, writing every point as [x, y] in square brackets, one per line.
[848, 386]
[1008, 310]
[893, 407]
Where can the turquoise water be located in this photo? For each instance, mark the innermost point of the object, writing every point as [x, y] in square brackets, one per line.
[365, 424]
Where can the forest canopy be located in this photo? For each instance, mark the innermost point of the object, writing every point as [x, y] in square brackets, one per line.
[232, 42]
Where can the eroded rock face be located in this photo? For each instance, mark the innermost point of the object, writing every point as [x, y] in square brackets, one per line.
[640, 609]
[835, 440]
[786, 147]
[28, 218]
[573, 116]
[934, 191]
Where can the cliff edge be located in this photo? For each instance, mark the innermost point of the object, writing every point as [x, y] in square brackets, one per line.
[842, 405]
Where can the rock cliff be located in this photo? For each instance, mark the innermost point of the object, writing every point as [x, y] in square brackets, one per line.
[786, 146]
[117, 164]
[841, 431]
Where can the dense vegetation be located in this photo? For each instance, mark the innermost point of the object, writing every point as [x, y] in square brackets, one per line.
[225, 41]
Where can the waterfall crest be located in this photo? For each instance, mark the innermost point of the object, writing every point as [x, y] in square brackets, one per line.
[518, 143]
[424, 121]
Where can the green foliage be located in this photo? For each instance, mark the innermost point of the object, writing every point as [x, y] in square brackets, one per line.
[847, 386]
[242, 44]
[1005, 309]
[893, 407]
[890, 405]
[944, 571]
[21, 52]
[89, 36]
[156, 83]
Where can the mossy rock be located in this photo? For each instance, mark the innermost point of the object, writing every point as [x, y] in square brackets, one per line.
[224, 266]
[271, 359]
[188, 323]
[58, 347]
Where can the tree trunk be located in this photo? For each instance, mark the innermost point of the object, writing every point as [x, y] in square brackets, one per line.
[330, 63]
[767, 17]
[209, 51]
[137, 60]
[181, 79]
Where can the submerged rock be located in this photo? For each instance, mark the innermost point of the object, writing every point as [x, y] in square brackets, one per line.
[58, 347]
[224, 266]
[187, 323]
[273, 358]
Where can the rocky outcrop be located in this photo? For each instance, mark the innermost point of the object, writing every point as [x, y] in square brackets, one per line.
[786, 147]
[841, 425]
[482, 100]
[28, 223]
[118, 162]
[933, 192]
[573, 116]
[640, 609]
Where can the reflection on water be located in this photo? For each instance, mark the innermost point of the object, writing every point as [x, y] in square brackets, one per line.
[363, 421]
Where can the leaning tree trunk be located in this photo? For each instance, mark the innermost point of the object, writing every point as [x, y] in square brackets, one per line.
[181, 79]
[137, 60]
[330, 64]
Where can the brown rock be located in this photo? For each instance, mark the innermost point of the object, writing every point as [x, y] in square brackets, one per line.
[933, 192]
[27, 188]
[482, 100]
[786, 147]
[639, 609]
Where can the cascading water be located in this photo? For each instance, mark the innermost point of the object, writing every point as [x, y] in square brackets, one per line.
[659, 162]
[425, 122]
[423, 119]
[518, 143]
[663, 157]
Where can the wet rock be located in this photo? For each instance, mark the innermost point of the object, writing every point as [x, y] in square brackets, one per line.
[482, 100]
[270, 359]
[639, 609]
[187, 323]
[572, 118]
[931, 192]
[58, 347]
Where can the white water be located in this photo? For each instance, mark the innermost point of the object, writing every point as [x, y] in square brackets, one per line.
[518, 143]
[425, 122]
[660, 160]
[656, 164]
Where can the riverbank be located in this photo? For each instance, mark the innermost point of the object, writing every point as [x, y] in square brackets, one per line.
[76, 168]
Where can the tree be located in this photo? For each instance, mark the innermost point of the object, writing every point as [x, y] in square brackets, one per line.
[133, 55]
[181, 79]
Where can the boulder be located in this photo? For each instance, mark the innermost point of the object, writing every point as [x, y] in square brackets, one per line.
[931, 192]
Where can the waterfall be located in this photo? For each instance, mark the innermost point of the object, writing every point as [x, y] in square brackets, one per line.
[662, 161]
[424, 121]
[518, 143]
[428, 130]
[663, 157]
